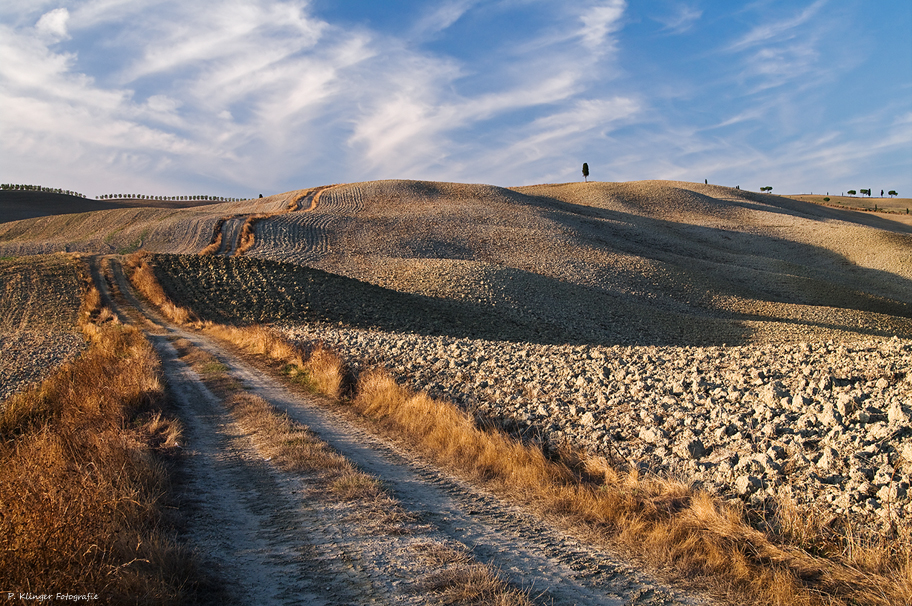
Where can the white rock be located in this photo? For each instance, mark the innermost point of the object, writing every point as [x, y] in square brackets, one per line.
[896, 414]
[829, 416]
[828, 460]
[907, 452]
[747, 485]
[652, 435]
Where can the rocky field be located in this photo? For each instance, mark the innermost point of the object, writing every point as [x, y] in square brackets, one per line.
[39, 303]
[823, 424]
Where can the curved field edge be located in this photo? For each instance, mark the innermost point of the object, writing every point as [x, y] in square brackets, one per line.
[84, 474]
[661, 522]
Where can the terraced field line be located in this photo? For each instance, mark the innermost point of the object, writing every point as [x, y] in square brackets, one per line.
[554, 567]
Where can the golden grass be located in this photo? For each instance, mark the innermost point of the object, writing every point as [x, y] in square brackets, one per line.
[461, 580]
[143, 278]
[80, 480]
[215, 243]
[663, 522]
[247, 239]
[659, 521]
[474, 584]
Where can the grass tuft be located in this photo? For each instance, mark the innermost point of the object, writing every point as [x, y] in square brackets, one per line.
[142, 275]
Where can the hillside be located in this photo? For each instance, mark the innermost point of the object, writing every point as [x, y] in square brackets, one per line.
[752, 349]
[154, 226]
[16, 205]
[631, 262]
[645, 262]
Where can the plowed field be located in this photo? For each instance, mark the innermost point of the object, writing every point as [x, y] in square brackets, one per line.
[39, 303]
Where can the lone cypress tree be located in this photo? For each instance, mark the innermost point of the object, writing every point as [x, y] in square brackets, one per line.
[586, 172]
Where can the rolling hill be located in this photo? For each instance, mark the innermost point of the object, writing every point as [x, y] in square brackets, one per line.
[644, 262]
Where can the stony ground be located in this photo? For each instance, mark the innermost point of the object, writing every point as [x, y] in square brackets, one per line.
[39, 302]
[739, 340]
[823, 424]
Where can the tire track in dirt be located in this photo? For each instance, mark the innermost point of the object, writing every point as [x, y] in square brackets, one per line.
[269, 534]
[231, 233]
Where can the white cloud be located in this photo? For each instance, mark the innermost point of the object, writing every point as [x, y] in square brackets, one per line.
[782, 29]
[442, 16]
[54, 23]
[681, 20]
[599, 22]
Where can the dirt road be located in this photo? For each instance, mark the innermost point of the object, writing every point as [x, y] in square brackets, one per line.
[273, 537]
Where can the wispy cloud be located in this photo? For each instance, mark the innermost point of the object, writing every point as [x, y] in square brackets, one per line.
[441, 16]
[599, 22]
[681, 19]
[54, 23]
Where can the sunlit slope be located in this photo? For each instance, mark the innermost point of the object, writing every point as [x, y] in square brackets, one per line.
[677, 256]
[122, 230]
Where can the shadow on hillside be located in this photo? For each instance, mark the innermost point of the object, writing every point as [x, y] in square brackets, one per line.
[735, 263]
[809, 210]
[18, 205]
[244, 290]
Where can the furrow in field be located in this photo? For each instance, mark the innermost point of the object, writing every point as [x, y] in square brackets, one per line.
[298, 237]
[343, 199]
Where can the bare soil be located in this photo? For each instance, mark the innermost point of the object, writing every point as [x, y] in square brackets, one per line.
[39, 304]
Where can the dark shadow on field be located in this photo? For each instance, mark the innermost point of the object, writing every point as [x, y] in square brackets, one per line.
[735, 263]
[244, 290]
[17, 205]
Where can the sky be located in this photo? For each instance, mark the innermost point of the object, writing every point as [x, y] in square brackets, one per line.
[240, 97]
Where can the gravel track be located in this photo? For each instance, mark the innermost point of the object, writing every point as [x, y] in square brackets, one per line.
[277, 542]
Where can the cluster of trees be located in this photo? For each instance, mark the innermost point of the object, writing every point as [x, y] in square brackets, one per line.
[767, 188]
[52, 190]
[145, 197]
[867, 192]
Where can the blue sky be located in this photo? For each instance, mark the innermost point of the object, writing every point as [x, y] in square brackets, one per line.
[239, 97]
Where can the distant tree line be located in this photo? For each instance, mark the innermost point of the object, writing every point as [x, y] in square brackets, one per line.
[145, 197]
[51, 190]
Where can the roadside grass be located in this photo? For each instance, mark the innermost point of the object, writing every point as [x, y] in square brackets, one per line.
[789, 559]
[83, 473]
[247, 239]
[143, 279]
[215, 243]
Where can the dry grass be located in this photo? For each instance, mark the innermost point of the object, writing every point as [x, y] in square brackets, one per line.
[474, 584]
[80, 481]
[247, 232]
[143, 278]
[461, 580]
[665, 523]
[215, 243]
